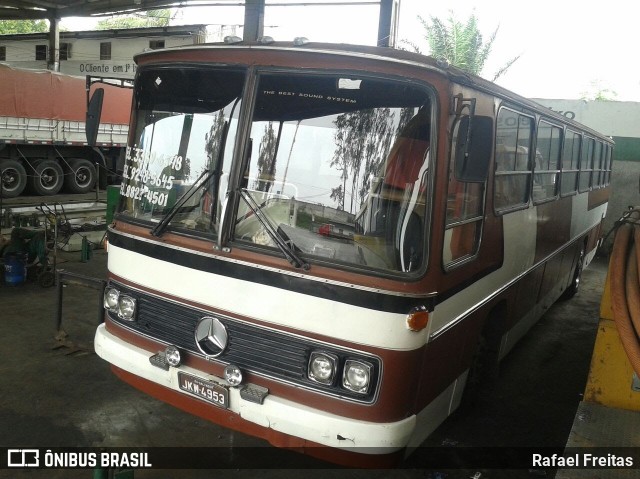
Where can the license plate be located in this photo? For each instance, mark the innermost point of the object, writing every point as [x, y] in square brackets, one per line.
[206, 390]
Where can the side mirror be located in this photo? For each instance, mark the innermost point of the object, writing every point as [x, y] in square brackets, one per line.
[473, 140]
[94, 110]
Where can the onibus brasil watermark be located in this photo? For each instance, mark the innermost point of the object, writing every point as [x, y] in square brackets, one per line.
[36, 458]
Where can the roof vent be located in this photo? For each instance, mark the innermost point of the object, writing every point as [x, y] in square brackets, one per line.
[299, 41]
[266, 40]
[231, 39]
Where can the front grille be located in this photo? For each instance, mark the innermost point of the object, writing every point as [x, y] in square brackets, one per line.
[251, 348]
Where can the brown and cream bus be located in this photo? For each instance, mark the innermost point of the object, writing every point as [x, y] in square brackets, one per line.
[321, 245]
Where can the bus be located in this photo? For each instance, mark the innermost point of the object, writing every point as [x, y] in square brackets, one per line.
[329, 246]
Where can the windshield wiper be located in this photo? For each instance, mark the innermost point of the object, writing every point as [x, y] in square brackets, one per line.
[215, 171]
[285, 245]
[166, 219]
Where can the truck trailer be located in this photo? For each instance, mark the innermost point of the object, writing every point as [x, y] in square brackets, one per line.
[43, 146]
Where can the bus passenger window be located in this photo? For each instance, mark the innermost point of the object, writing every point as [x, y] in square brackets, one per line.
[513, 150]
[598, 159]
[586, 164]
[570, 160]
[606, 169]
[465, 205]
[547, 162]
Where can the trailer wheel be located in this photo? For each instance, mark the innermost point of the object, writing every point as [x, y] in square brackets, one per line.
[14, 178]
[48, 178]
[82, 176]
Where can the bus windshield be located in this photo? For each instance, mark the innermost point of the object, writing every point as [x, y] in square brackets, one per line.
[184, 123]
[334, 167]
[339, 166]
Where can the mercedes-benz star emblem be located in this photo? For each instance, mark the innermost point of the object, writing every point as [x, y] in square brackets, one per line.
[211, 336]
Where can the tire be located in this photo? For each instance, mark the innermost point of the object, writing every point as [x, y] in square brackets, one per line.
[46, 279]
[484, 370]
[81, 177]
[13, 177]
[483, 374]
[47, 178]
[573, 288]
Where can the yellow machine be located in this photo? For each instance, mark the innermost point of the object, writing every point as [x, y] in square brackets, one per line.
[608, 419]
[615, 365]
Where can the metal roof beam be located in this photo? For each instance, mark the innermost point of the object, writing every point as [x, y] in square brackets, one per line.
[18, 14]
[45, 9]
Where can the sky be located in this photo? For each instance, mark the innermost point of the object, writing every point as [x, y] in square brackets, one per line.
[568, 49]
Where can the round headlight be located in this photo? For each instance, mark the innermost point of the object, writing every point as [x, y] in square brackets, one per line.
[233, 375]
[111, 298]
[126, 308]
[322, 367]
[172, 355]
[357, 376]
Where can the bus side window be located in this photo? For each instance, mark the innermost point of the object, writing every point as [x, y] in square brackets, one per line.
[513, 152]
[465, 193]
[547, 162]
[586, 164]
[570, 161]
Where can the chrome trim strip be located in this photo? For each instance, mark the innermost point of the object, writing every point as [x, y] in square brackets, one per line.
[433, 336]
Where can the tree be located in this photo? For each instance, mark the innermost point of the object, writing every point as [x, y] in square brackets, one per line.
[597, 92]
[152, 18]
[363, 135]
[267, 159]
[460, 43]
[8, 27]
[215, 149]
[213, 140]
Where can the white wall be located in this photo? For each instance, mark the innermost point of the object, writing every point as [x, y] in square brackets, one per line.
[85, 53]
[616, 119]
[612, 118]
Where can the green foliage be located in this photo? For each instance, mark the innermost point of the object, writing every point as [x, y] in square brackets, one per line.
[8, 27]
[597, 92]
[152, 18]
[267, 158]
[460, 43]
[213, 140]
[363, 135]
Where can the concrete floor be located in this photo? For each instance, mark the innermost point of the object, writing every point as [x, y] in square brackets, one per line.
[51, 396]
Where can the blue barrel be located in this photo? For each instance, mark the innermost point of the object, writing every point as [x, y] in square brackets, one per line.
[15, 268]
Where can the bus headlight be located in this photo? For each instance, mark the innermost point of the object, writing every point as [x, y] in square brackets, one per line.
[357, 376]
[322, 367]
[126, 308]
[111, 296]
[233, 375]
[172, 356]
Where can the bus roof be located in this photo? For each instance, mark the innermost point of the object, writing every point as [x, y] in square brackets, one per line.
[383, 54]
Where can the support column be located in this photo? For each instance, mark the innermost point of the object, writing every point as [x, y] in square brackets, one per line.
[53, 60]
[253, 20]
[388, 23]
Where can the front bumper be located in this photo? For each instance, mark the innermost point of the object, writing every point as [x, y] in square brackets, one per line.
[276, 413]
